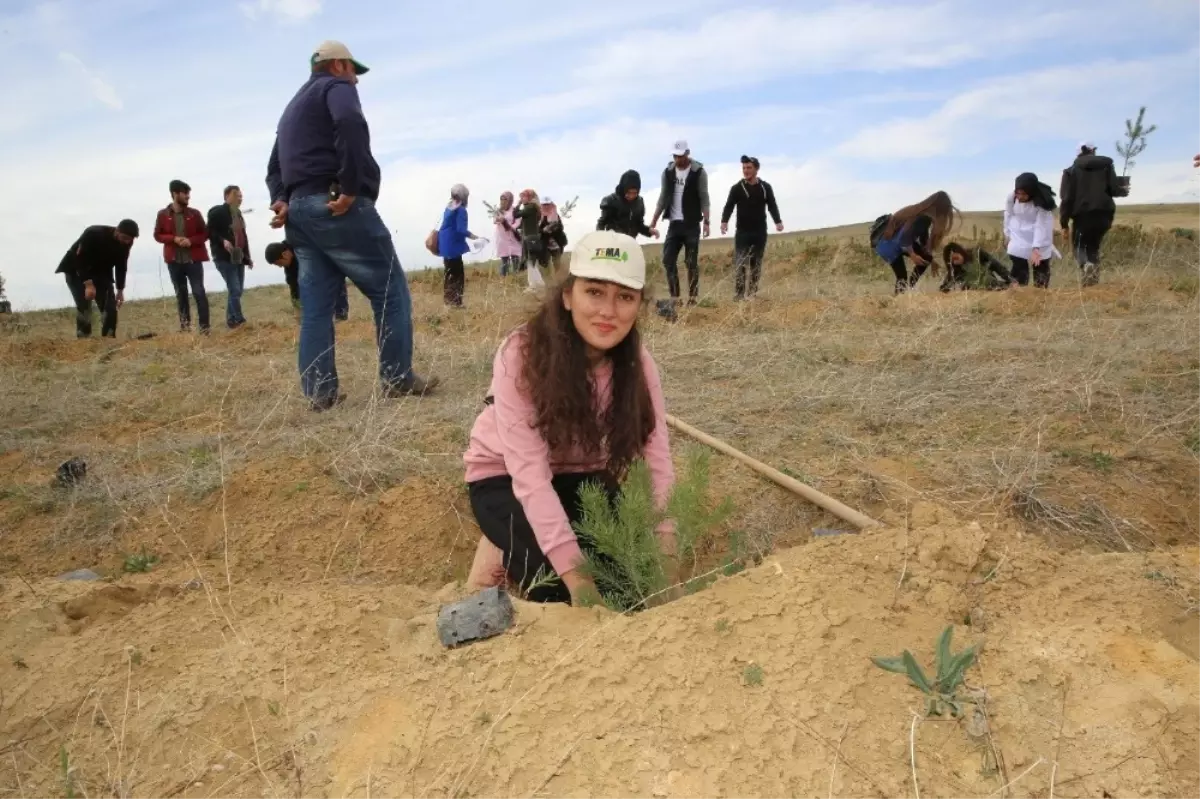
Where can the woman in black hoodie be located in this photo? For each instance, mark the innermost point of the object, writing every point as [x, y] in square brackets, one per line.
[624, 211]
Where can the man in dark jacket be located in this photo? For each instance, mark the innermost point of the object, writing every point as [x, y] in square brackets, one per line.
[282, 255]
[1086, 195]
[683, 201]
[230, 251]
[753, 199]
[324, 182]
[624, 211]
[89, 265]
[181, 231]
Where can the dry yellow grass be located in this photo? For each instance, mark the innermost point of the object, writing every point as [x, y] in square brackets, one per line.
[1067, 417]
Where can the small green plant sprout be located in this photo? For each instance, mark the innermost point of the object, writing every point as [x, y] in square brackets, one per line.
[1134, 145]
[140, 563]
[753, 675]
[942, 691]
[622, 551]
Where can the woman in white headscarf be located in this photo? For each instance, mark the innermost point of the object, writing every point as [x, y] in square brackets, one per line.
[452, 245]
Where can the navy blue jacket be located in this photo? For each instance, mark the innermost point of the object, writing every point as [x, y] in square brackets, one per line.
[322, 137]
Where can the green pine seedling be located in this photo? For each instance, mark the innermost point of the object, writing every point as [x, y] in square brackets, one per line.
[942, 690]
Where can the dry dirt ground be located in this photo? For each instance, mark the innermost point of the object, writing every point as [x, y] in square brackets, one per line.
[1033, 456]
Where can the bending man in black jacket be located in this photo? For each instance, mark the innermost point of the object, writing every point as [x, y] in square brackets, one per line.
[752, 198]
[624, 211]
[89, 266]
[1086, 196]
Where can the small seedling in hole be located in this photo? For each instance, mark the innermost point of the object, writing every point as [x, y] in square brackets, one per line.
[722, 625]
[140, 563]
[941, 691]
[484, 718]
[64, 767]
[135, 657]
[273, 707]
[753, 675]
[20, 663]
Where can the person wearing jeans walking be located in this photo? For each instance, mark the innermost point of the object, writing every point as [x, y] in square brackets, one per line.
[452, 244]
[683, 201]
[89, 266]
[753, 199]
[230, 251]
[324, 181]
[181, 231]
[1087, 191]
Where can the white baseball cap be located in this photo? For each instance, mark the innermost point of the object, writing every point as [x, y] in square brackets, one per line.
[331, 50]
[681, 147]
[547, 201]
[1087, 145]
[611, 257]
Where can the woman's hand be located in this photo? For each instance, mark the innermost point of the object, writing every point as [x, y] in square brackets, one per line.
[583, 590]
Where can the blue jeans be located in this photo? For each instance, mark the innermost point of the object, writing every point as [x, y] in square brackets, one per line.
[235, 281]
[330, 249]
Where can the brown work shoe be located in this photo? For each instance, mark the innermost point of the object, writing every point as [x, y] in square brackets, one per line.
[414, 387]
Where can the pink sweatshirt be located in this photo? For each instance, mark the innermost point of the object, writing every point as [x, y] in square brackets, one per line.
[504, 441]
[507, 243]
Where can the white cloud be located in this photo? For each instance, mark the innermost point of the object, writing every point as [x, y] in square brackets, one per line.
[101, 89]
[286, 10]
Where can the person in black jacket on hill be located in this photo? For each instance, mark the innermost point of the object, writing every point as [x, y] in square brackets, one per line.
[230, 251]
[752, 198]
[683, 202]
[624, 211]
[1086, 196]
[89, 266]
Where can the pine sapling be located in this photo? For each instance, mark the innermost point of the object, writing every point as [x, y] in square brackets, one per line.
[942, 690]
[1134, 145]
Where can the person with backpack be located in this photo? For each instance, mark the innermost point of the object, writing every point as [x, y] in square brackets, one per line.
[956, 258]
[1029, 230]
[913, 232]
[624, 211]
[1087, 191]
[753, 199]
[575, 399]
[683, 201]
[452, 245]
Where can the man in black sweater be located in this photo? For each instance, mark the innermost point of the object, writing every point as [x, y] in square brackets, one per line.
[89, 265]
[1086, 199]
[752, 198]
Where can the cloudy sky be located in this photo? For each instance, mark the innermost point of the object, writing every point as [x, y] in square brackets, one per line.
[854, 108]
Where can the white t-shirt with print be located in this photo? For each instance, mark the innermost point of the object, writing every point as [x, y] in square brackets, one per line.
[680, 182]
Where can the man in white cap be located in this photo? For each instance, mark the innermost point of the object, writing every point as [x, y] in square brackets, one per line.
[324, 183]
[683, 201]
[1086, 200]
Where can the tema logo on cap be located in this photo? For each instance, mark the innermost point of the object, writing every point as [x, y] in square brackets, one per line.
[610, 254]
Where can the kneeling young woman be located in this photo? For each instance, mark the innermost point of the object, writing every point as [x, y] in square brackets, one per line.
[574, 398]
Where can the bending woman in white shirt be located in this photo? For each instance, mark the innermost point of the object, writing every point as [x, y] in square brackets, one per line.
[1029, 230]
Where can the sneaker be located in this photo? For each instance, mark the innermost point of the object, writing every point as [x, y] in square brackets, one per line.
[321, 404]
[416, 387]
[1091, 274]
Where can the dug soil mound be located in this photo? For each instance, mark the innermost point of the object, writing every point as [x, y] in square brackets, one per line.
[176, 683]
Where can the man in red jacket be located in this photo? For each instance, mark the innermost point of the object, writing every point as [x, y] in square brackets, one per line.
[182, 232]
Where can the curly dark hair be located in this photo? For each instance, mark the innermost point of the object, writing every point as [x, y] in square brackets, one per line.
[556, 375]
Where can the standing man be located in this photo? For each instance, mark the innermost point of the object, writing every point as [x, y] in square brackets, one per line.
[323, 182]
[683, 201]
[89, 265]
[181, 231]
[1086, 194]
[752, 198]
[230, 251]
[282, 255]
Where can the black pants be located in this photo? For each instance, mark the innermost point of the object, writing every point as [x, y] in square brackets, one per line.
[106, 300]
[502, 520]
[682, 235]
[1041, 272]
[748, 249]
[1089, 230]
[181, 276]
[341, 308]
[454, 282]
[904, 281]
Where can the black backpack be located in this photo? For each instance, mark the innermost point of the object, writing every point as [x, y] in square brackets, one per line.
[877, 228]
